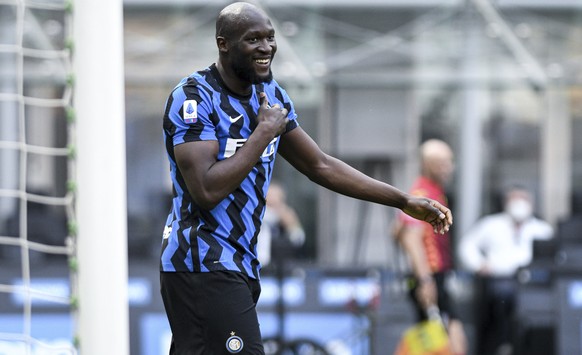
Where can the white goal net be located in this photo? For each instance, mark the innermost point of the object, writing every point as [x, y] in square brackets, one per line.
[37, 179]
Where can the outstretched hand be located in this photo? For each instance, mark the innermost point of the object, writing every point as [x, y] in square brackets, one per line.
[430, 211]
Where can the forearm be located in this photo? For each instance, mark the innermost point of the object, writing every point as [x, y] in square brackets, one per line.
[346, 180]
[233, 170]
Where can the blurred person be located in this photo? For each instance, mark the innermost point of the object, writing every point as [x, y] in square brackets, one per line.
[282, 233]
[494, 249]
[429, 252]
[223, 126]
[279, 241]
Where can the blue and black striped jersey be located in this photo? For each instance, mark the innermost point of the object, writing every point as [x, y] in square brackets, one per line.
[194, 239]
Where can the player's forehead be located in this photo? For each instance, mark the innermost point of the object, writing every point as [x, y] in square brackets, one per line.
[254, 23]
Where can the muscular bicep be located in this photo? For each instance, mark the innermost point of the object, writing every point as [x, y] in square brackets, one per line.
[194, 160]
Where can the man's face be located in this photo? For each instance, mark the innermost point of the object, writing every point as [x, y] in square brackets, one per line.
[441, 167]
[252, 53]
[518, 204]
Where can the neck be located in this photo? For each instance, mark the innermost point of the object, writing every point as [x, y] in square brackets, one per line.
[232, 82]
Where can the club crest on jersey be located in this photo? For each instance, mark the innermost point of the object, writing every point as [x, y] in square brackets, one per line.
[190, 111]
[234, 344]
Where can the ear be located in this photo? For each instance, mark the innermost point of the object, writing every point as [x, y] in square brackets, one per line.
[222, 44]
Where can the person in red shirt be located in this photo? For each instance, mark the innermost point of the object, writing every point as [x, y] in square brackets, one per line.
[429, 252]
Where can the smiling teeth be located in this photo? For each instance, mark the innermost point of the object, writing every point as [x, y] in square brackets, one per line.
[262, 61]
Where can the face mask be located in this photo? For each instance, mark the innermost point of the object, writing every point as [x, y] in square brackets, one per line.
[519, 209]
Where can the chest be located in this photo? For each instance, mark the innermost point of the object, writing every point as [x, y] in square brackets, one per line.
[508, 236]
[235, 120]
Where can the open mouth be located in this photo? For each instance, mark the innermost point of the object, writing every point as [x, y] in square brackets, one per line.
[263, 61]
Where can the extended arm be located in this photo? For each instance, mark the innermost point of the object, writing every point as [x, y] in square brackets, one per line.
[304, 154]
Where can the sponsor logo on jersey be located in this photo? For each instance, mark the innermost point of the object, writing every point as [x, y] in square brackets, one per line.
[232, 144]
[234, 344]
[190, 111]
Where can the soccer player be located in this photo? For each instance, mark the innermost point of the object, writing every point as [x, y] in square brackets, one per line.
[223, 127]
[430, 253]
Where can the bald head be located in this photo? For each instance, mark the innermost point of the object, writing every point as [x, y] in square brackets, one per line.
[233, 17]
[437, 160]
[434, 149]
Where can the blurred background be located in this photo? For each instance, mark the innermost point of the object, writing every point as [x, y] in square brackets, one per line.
[500, 81]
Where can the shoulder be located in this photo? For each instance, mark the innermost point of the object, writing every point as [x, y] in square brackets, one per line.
[495, 220]
[274, 87]
[496, 217]
[198, 84]
[273, 84]
[491, 224]
[541, 225]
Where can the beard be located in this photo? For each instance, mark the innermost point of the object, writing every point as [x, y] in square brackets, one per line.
[245, 71]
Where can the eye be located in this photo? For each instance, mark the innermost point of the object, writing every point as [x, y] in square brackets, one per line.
[253, 40]
[271, 38]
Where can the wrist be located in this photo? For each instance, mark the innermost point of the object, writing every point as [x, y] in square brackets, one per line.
[264, 131]
[402, 201]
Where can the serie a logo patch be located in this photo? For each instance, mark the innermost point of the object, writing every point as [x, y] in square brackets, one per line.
[190, 111]
[234, 344]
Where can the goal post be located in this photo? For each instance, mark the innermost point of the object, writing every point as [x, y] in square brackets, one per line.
[101, 177]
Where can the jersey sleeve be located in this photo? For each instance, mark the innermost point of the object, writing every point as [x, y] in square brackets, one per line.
[286, 102]
[190, 113]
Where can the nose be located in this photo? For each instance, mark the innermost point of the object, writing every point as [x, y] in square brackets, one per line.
[267, 46]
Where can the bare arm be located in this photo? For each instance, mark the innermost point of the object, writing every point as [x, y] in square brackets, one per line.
[410, 238]
[209, 181]
[304, 154]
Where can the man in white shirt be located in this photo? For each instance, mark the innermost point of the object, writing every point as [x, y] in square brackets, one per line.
[495, 248]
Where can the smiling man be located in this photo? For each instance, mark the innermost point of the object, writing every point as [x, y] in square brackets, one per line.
[223, 127]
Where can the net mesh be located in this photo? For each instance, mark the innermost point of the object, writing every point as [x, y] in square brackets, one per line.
[37, 189]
